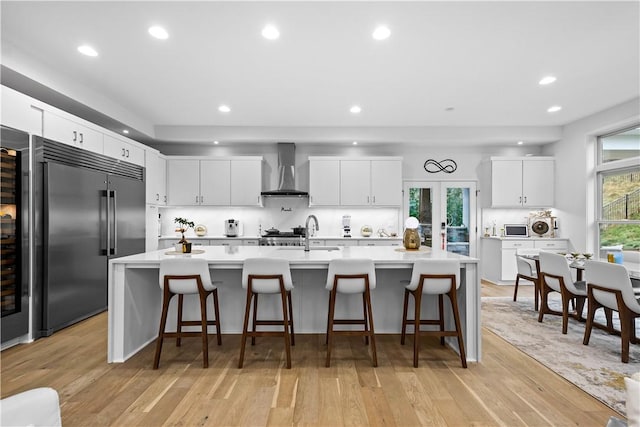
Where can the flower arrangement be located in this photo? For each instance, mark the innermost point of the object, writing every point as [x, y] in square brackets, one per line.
[183, 225]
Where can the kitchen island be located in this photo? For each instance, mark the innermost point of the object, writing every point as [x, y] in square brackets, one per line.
[135, 297]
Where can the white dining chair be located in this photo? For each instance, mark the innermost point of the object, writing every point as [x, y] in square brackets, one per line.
[527, 271]
[556, 277]
[609, 287]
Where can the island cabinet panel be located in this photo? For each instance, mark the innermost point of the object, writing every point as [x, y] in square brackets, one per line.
[324, 182]
[69, 132]
[214, 182]
[246, 182]
[517, 182]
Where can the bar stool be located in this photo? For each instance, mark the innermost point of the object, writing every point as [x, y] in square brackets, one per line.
[433, 277]
[267, 276]
[351, 276]
[184, 276]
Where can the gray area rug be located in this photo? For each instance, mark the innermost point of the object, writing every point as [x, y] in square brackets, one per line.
[596, 368]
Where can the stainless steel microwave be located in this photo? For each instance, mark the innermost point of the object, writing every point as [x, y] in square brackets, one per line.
[516, 230]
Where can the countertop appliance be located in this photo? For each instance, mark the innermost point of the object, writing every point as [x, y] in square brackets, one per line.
[286, 173]
[15, 241]
[274, 237]
[346, 225]
[89, 208]
[231, 227]
[516, 230]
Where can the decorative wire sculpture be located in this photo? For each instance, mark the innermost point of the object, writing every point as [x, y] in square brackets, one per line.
[446, 166]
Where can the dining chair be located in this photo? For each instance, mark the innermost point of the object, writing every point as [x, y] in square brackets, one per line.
[185, 276]
[351, 276]
[433, 277]
[527, 271]
[556, 277]
[267, 276]
[609, 287]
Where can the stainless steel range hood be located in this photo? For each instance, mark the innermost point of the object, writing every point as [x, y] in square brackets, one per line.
[286, 173]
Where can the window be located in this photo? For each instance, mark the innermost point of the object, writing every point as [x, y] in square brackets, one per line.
[618, 178]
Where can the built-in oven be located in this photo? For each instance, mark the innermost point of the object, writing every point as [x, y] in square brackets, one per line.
[14, 234]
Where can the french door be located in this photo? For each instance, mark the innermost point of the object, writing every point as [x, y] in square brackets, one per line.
[446, 212]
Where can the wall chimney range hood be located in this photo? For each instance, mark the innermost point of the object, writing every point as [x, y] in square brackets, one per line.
[286, 173]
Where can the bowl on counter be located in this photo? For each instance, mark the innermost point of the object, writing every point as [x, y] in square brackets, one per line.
[366, 231]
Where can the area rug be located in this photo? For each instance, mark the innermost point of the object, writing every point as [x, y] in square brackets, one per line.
[595, 368]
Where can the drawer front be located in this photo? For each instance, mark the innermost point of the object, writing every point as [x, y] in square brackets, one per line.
[250, 242]
[552, 244]
[341, 242]
[517, 244]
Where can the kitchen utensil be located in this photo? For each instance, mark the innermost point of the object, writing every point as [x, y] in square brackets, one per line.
[300, 230]
[272, 231]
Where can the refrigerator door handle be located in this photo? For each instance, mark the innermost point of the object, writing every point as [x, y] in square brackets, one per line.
[115, 224]
[108, 245]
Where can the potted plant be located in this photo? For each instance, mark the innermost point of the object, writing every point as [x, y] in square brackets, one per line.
[183, 225]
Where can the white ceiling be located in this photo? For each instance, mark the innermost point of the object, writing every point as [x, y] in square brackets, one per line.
[484, 59]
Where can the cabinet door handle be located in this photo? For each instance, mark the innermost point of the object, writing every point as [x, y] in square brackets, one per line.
[157, 197]
[75, 136]
[374, 199]
[165, 199]
[81, 137]
[201, 199]
[367, 199]
[127, 154]
[122, 152]
[525, 200]
[196, 199]
[520, 200]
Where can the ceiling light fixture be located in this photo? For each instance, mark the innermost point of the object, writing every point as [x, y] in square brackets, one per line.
[520, 142]
[554, 109]
[224, 109]
[87, 50]
[381, 33]
[216, 142]
[270, 32]
[355, 109]
[158, 32]
[547, 80]
[125, 131]
[449, 109]
[355, 143]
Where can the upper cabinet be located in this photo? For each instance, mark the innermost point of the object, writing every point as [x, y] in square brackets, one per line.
[20, 111]
[118, 148]
[521, 182]
[355, 182]
[62, 129]
[155, 178]
[214, 182]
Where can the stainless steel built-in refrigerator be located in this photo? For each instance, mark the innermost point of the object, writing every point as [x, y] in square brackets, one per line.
[89, 208]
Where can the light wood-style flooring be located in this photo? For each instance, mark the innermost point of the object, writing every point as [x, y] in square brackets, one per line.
[507, 389]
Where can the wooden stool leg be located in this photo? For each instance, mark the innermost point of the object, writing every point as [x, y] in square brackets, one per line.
[371, 329]
[326, 339]
[456, 316]
[441, 318]
[404, 316]
[216, 311]
[255, 315]
[417, 299]
[285, 325]
[515, 289]
[293, 336]
[179, 321]
[245, 326]
[366, 324]
[626, 323]
[332, 306]
[592, 307]
[166, 299]
[205, 336]
[536, 293]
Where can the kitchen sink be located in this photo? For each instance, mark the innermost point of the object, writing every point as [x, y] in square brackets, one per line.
[313, 248]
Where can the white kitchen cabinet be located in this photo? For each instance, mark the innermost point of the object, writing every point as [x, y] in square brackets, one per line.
[246, 182]
[156, 178]
[19, 111]
[183, 182]
[499, 255]
[522, 182]
[381, 242]
[324, 182]
[215, 182]
[69, 132]
[122, 150]
[371, 182]
[341, 242]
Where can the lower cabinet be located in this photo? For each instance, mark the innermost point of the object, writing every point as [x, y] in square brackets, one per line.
[499, 255]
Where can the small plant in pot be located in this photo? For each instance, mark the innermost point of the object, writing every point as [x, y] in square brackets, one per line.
[183, 225]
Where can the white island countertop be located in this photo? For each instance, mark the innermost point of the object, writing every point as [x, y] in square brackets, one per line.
[135, 297]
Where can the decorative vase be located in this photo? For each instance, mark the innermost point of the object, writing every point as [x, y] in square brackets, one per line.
[411, 239]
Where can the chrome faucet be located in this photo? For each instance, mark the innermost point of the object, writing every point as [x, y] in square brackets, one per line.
[306, 231]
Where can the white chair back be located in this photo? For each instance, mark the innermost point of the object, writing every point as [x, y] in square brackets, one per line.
[185, 267]
[266, 267]
[347, 267]
[611, 276]
[35, 407]
[526, 267]
[434, 266]
[552, 263]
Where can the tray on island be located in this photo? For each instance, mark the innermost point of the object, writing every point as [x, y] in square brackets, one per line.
[193, 251]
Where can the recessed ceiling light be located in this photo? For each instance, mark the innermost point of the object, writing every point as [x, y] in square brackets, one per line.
[270, 32]
[520, 142]
[547, 80]
[381, 33]
[216, 142]
[554, 109]
[87, 50]
[355, 109]
[158, 32]
[449, 109]
[125, 131]
[224, 109]
[355, 142]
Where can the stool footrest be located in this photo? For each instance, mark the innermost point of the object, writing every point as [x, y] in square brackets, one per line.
[198, 323]
[264, 334]
[271, 322]
[348, 322]
[184, 334]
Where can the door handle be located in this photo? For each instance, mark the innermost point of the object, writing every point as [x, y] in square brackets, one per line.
[115, 223]
[75, 136]
[107, 249]
[81, 137]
